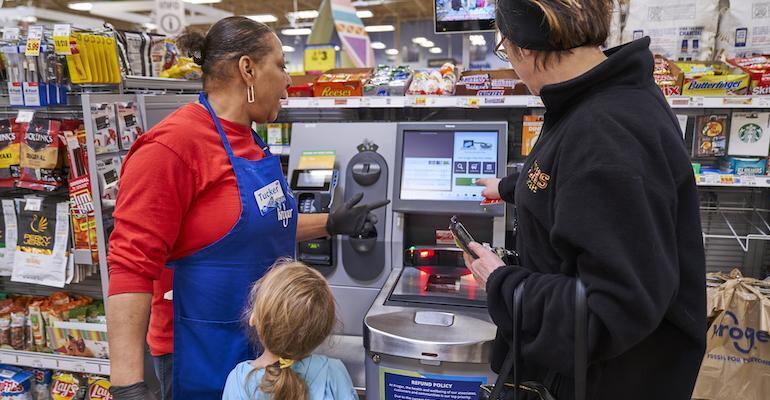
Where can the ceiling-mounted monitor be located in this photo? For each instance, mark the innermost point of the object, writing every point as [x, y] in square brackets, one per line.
[453, 16]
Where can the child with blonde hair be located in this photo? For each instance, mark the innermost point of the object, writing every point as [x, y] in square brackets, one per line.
[292, 312]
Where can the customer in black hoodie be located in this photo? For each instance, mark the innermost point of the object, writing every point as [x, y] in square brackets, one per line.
[607, 195]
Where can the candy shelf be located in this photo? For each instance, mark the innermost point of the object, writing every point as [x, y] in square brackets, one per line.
[55, 361]
[138, 83]
[501, 101]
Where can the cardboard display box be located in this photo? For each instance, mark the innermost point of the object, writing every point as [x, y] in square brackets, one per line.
[341, 82]
[302, 86]
[668, 76]
[499, 82]
[713, 79]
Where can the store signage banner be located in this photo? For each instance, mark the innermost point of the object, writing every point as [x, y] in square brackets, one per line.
[169, 17]
[351, 32]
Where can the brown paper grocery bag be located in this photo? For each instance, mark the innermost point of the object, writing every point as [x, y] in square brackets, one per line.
[737, 360]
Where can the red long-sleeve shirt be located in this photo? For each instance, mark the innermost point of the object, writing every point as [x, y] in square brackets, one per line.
[177, 195]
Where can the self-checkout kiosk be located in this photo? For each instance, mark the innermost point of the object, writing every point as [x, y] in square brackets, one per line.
[414, 322]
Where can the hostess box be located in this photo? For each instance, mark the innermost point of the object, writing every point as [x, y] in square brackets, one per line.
[712, 79]
[301, 86]
[668, 76]
[341, 82]
[758, 68]
[79, 339]
[500, 82]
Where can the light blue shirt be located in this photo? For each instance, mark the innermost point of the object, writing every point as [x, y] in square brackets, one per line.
[326, 379]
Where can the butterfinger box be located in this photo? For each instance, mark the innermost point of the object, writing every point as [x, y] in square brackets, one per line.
[342, 82]
[713, 79]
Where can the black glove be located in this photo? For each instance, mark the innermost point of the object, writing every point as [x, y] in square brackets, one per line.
[137, 391]
[351, 219]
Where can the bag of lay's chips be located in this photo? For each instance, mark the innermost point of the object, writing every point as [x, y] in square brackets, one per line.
[98, 388]
[15, 383]
[41, 384]
[68, 386]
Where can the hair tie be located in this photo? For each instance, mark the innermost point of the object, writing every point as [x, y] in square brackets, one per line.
[285, 363]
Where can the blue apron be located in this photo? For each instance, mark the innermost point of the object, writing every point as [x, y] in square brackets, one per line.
[211, 286]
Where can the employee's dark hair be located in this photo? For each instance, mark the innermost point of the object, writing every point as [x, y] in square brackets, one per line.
[568, 24]
[227, 40]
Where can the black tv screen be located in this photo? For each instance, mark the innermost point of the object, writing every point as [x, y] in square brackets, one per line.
[464, 15]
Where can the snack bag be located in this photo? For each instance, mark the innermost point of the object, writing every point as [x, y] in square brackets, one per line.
[129, 126]
[678, 29]
[98, 389]
[68, 386]
[15, 383]
[737, 361]
[106, 135]
[41, 167]
[8, 235]
[41, 384]
[41, 255]
[9, 152]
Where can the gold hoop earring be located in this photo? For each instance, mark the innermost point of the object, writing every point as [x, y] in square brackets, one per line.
[250, 94]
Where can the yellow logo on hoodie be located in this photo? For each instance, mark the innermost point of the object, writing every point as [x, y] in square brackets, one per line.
[537, 179]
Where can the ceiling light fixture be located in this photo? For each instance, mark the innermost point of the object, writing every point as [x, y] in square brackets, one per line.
[379, 46]
[391, 52]
[30, 19]
[364, 14]
[418, 40]
[288, 49]
[380, 28]
[149, 26]
[80, 6]
[263, 18]
[435, 50]
[427, 44]
[304, 14]
[296, 32]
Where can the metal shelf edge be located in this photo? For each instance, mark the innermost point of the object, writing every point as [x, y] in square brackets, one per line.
[55, 361]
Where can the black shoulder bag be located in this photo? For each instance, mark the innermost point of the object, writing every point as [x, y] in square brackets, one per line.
[508, 391]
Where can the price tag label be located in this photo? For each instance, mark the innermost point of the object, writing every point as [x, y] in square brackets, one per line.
[320, 59]
[313, 102]
[749, 180]
[696, 101]
[365, 102]
[33, 204]
[710, 179]
[340, 102]
[727, 179]
[762, 101]
[25, 116]
[61, 39]
[34, 41]
[534, 101]
[11, 33]
[473, 102]
[420, 101]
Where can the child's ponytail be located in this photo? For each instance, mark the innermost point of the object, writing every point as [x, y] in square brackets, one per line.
[283, 383]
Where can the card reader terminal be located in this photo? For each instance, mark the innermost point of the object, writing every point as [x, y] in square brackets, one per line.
[314, 191]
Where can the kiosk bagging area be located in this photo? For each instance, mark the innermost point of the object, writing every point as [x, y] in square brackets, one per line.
[413, 321]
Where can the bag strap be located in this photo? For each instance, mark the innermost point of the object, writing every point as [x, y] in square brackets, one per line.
[581, 340]
[511, 358]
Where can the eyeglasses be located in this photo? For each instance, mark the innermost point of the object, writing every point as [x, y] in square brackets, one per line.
[500, 51]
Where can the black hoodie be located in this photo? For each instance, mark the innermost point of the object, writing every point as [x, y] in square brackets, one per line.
[608, 194]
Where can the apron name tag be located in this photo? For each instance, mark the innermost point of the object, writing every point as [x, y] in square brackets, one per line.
[271, 197]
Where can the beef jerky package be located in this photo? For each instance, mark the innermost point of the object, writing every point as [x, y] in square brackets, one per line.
[9, 152]
[737, 360]
[81, 198]
[8, 233]
[679, 29]
[41, 254]
[41, 167]
[136, 52]
[157, 51]
[745, 29]
[129, 124]
[710, 135]
[106, 130]
[68, 386]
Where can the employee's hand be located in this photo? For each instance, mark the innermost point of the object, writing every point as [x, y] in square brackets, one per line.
[352, 219]
[483, 266]
[137, 391]
[490, 191]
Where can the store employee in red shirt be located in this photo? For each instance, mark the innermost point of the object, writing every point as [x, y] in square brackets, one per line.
[202, 194]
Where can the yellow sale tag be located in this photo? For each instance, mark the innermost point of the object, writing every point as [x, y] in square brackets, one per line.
[34, 38]
[61, 39]
[320, 59]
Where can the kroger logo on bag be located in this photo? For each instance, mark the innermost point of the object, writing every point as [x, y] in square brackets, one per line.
[744, 339]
